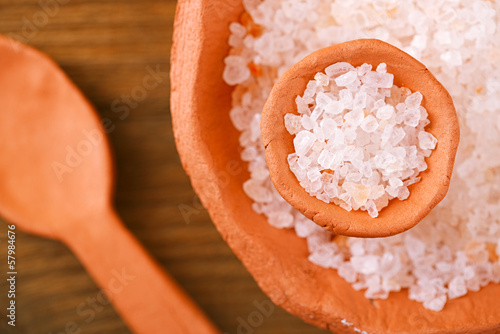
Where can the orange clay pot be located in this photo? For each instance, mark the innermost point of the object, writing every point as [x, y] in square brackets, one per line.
[399, 216]
[277, 259]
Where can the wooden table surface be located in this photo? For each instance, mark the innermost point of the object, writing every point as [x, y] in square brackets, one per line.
[105, 47]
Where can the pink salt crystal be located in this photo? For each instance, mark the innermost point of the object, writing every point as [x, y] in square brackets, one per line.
[346, 206]
[313, 174]
[353, 177]
[237, 29]
[444, 266]
[376, 192]
[346, 79]
[362, 139]
[307, 122]
[414, 247]
[367, 169]
[379, 80]
[321, 136]
[397, 136]
[292, 158]
[240, 117]
[293, 123]
[419, 42]
[401, 107]
[321, 79]
[310, 89]
[304, 161]
[360, 100]
[403, 194]
[413, 101]
[369, 124]
[379, 104]
[412, 117]
[452, 58]
[363, 69]
[457, 287]
[426, 140]
[329, 126]
[322, 99]
[421, 164]
[281, 219]
[386, 134]
[302, 106]
[323, 197]
[442, 37]
[390, 264]
[303, 142]
[382, 68]
[357, 247]
[236, 70]
[317, 112]
[413, 180]
[325, 256]
[385, 112]
[385, 92]
[436, 304]
[346, 98]
[325, 159]
[334, 107]
[315, 186]
[372, 209]
[318, 146]
[365, 264]
[327, 178]
[337, 69]
[354, 117]
[257, 191]
[249, 153]
[347, 272]
[305, 227]
[395, 182]
[331, 190]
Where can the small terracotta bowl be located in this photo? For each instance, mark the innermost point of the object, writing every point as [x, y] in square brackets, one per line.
[399, 216]
[277, 259]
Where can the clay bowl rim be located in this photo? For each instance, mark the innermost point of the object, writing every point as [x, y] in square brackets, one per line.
[399, 216]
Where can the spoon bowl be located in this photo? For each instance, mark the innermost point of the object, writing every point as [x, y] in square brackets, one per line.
[399, 216]
[55, 162]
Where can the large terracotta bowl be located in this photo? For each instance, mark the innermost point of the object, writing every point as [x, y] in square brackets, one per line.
[277, 259]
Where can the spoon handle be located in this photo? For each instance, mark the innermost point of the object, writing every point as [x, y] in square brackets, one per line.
[146, 297]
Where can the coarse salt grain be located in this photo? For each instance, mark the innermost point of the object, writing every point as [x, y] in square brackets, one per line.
[361, 150]
[426, 141]
[459, 42]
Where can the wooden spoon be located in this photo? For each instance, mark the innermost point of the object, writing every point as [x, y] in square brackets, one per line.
[399, 216]
[56, 181]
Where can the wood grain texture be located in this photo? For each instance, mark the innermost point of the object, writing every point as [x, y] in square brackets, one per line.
[105, 47]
